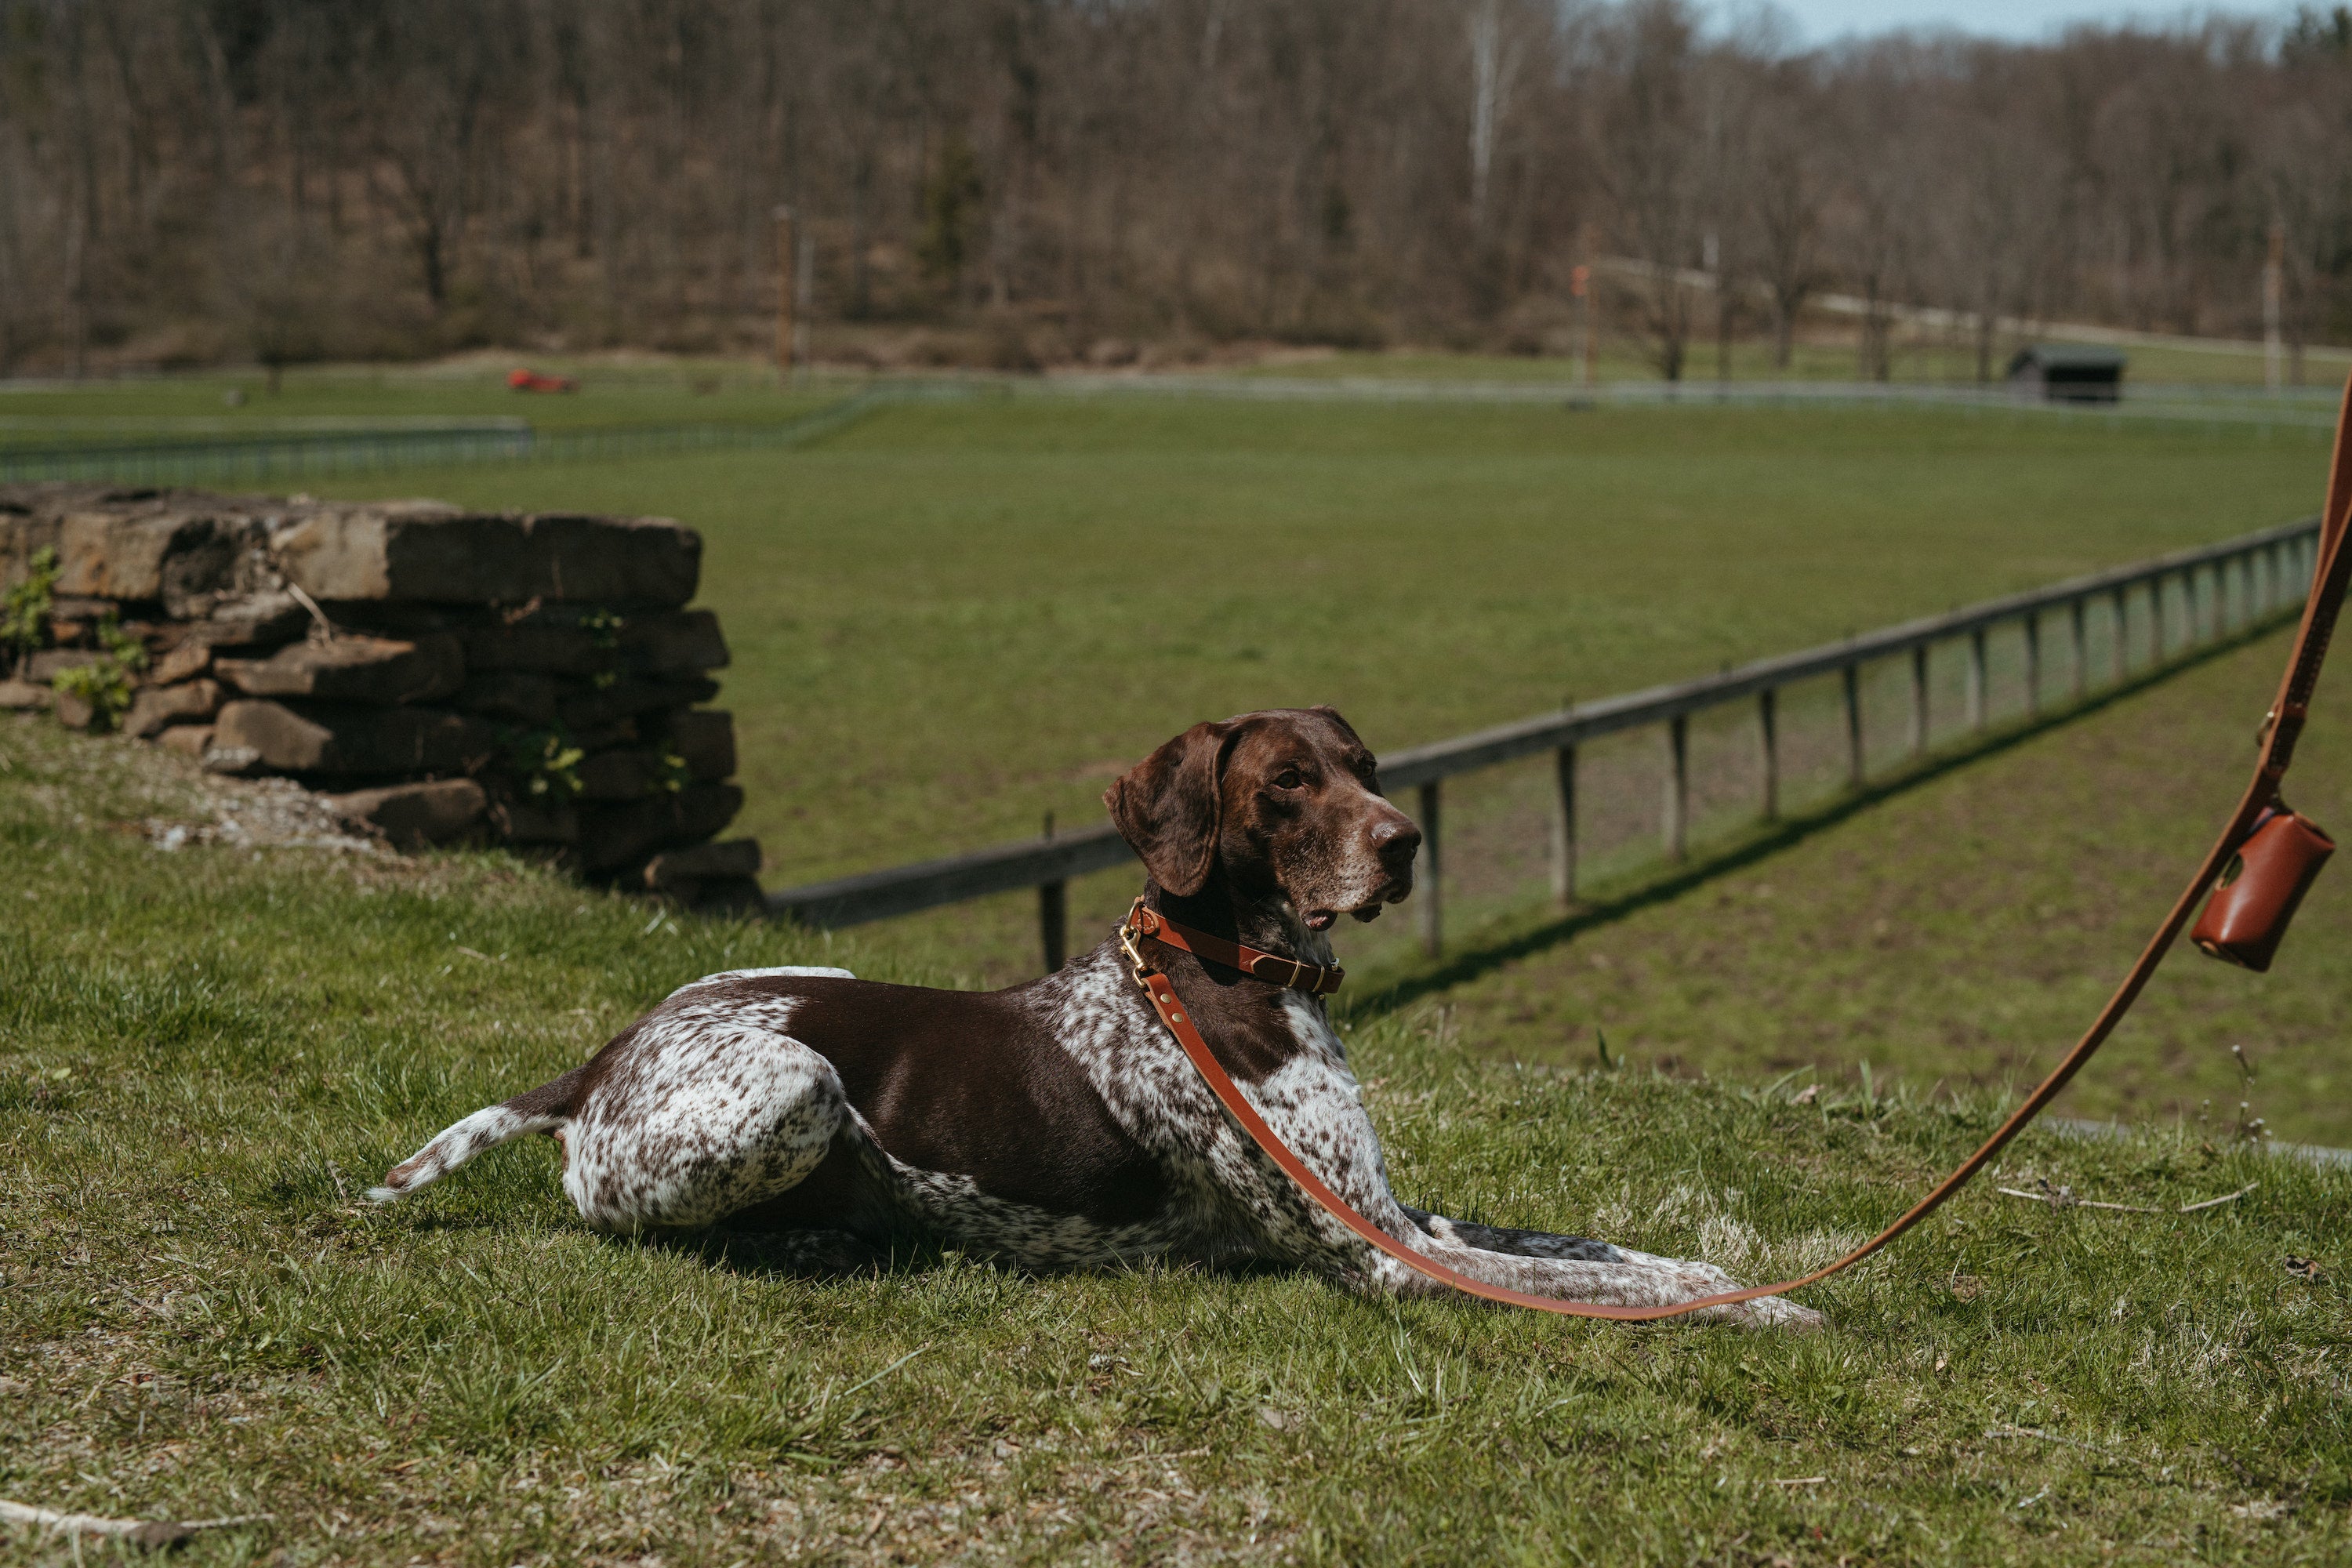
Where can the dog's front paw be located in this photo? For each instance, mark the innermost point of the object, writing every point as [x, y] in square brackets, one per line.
[1780, 1313]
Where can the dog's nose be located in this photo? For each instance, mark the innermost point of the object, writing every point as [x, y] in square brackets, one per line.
[1396, 840]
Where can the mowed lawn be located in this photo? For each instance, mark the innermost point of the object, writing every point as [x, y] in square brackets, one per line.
[952, 618]
[1959, 930]
[206, 1056]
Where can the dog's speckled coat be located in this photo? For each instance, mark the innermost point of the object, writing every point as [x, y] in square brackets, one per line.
[1056, 1125]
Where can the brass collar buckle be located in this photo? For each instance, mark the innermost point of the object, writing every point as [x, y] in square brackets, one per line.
[1128, 933]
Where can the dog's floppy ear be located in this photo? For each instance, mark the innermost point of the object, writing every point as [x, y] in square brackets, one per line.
[1167, 806]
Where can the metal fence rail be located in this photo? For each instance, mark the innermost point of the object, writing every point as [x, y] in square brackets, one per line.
[2220, 589]
[300, 454]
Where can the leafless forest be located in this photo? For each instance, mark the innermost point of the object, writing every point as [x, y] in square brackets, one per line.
[184, 180]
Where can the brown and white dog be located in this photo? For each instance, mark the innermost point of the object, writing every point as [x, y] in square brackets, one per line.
[1056, 1125]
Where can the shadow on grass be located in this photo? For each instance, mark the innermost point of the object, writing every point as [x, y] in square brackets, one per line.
[834, 1255]
[1509, 938]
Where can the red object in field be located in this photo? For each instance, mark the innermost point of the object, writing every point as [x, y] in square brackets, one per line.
[531, 381]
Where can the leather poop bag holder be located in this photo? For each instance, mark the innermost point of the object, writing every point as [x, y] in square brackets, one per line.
[2261, 888]
[2257, 871]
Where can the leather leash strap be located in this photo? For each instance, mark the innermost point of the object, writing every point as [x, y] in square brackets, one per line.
[1316, 980]
[2279, 732]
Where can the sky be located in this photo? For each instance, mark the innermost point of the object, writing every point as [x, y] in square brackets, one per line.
[1824, 21]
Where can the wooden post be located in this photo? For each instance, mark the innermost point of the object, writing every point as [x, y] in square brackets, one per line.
[1426, 897]
[803, 293]
[2195, 585]
[2076, 617]
[1677, 812]
[2122, 651]
[1851, 674]
[2033, 661]
[1767, 735]
[1563, 825]
[2158, 642]
[1920, 700]
[1053, 915]
[1054, 922]
[1977, 679]
[787, 292]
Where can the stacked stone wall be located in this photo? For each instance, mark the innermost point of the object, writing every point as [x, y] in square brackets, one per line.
[442, 676]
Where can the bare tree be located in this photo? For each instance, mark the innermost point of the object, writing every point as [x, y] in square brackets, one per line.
[1333, 171]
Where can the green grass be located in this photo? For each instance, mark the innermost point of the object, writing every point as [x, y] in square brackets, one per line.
[203, 1058]
[951, 619]
[201, 407]
[1959, 928]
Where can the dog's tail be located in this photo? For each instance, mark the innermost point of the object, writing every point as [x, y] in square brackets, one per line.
[542, 1110]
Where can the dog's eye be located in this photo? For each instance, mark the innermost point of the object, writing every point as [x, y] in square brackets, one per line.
[1289, 778]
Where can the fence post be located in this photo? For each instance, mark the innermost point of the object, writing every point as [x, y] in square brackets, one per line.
[1767, 735]
[1977, 679]
[1677, 813]
[2196, 587]
[2074, 620]
[1053, 914]
[1563, 824]
[1852, 675]
[1920, 700]
[2160, 643]
[1429, 919]
[2033, 661]
[2122, 652]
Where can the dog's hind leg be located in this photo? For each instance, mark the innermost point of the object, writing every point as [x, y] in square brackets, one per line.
[542, 1110]
[708, 1118]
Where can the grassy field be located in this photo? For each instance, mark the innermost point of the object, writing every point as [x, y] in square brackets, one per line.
[951, 619]
[204, 1056]
[1955, 929]
[232, 405]
[954, 618]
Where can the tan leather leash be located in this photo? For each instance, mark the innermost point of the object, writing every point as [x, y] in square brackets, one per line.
[2261, 806]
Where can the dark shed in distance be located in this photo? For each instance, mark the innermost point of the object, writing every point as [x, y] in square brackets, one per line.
[2068, 373]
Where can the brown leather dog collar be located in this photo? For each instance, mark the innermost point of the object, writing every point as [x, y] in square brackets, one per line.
[1315, 979]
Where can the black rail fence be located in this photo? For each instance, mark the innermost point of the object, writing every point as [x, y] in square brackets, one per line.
[2187, 599]
[303, 454]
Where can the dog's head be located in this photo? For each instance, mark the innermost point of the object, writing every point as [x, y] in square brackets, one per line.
[1285, 803]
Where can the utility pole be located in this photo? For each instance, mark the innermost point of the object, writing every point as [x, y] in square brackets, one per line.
[788, 293]
[2273, 290]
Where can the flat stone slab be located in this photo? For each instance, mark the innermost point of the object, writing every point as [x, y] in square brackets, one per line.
[614, 836]
[623, 775]
[333, 738]
[191, 550]
[353, 669]
[425, 552]
[412, 815]
[566, 640]
[156, 708]
[677, 869]
[704, 738]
